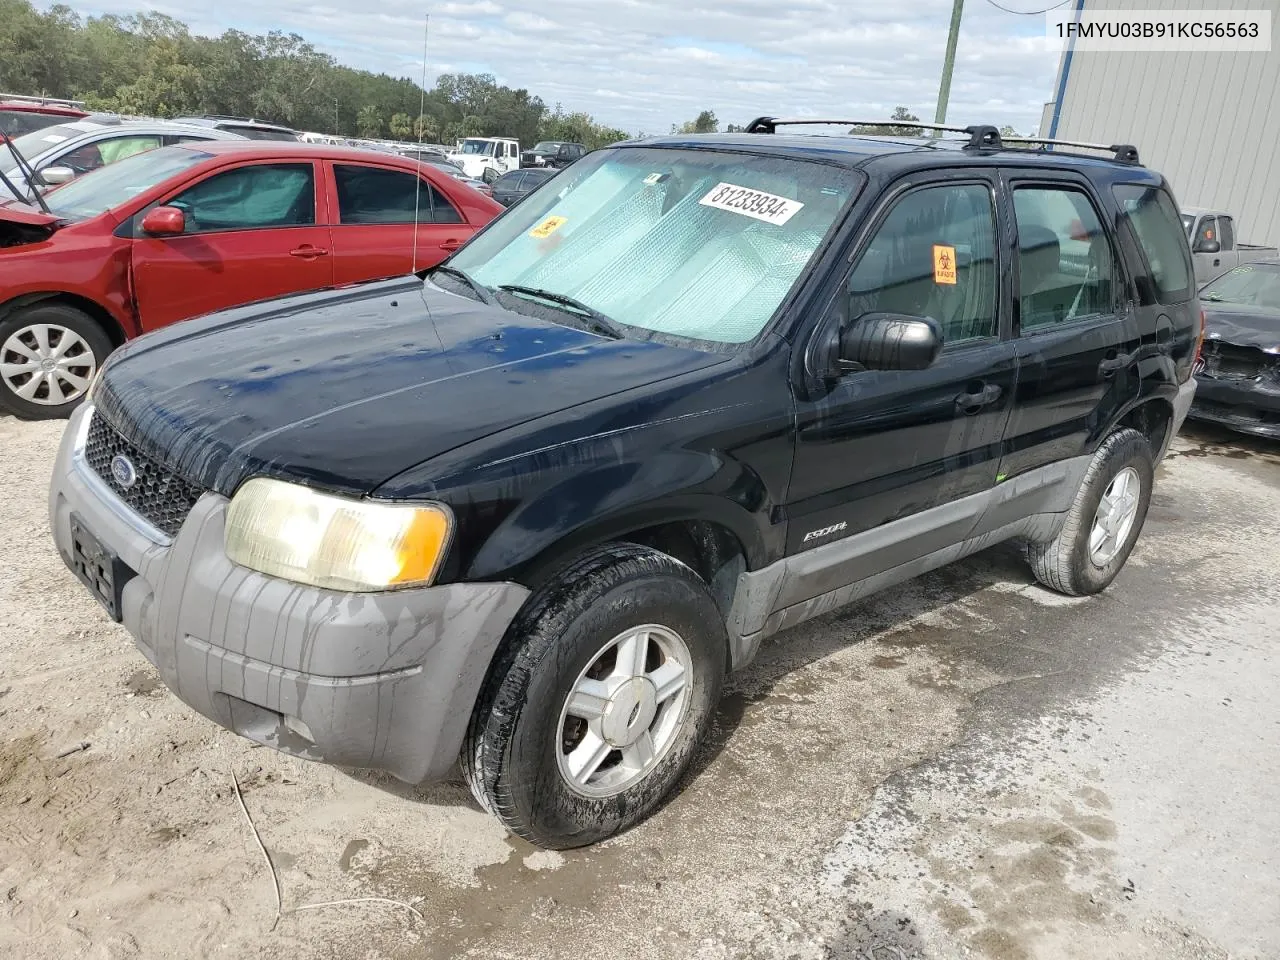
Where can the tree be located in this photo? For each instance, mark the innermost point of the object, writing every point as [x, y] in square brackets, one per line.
[1008, 131]
[735, 128]
[369, 121]
[705, 122]
[902, 115]
[401, 126]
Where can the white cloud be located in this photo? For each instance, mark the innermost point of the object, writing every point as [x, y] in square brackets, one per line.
[643, 65]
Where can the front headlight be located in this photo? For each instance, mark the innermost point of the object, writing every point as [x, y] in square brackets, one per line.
[290, 531]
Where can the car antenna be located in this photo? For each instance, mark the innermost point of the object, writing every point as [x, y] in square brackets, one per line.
[27, 172]
[422, 106]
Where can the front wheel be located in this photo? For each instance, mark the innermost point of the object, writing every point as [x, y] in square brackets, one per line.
[49, 354]
[605, 685]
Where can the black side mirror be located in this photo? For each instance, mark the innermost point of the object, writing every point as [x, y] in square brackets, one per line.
[890, 341]
[1207, 246]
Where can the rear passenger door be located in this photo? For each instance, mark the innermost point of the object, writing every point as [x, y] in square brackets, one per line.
[887, 444]
[375, 209]
[1077, 332]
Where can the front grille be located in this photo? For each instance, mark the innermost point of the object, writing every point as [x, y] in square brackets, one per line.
[158, 495]
[1226, 361]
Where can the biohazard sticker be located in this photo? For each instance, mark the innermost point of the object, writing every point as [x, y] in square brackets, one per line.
[751, 203]
[944, 264]
[547, 227]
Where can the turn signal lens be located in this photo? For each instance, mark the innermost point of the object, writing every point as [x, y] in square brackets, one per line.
[290, 531]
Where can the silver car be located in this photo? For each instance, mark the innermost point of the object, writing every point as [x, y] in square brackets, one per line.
[63, 152]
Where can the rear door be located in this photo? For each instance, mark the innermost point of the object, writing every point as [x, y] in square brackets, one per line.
[251, 234]
[1077, 331]
[375, 208]
[887, 444]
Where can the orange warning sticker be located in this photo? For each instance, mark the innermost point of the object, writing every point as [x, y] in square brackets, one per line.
[944, 264]
[550, 225]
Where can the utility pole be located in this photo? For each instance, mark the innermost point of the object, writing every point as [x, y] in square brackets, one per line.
[944, 88]
[336, 132]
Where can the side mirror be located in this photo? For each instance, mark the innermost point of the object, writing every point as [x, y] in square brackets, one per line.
[1207, 246]
[55, 176]
[890, 341]
[164, 222]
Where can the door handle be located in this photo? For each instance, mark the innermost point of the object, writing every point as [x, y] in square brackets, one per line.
[308, 252]
[973, 400]
[1110, 365]
[453, 243]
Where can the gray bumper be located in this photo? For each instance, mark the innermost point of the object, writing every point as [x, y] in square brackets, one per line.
[1181, 406]
[384, 680]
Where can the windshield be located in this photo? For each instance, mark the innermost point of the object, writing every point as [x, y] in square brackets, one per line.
[1253, 284]
[478, 147]
[110, 186]
[33, 144]
[688, 243]
[1188, 221]
[547, 146]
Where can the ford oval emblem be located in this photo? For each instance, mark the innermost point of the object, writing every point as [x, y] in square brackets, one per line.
[123, 471]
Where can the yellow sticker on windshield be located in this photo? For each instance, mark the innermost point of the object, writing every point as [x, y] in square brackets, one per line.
[547, 227]
[944, 264]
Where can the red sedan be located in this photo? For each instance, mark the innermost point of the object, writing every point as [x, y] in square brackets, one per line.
[185, 230]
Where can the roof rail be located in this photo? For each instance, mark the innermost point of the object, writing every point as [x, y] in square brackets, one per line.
[981, 136]
[42, 101]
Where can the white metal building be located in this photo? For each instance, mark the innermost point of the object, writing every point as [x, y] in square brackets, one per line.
[1210, 122]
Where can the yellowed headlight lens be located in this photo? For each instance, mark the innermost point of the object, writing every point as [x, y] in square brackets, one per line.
[290, 531]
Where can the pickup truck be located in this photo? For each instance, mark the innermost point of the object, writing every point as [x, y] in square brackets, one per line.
[1213, 243]
[525, 509]
[486, 158]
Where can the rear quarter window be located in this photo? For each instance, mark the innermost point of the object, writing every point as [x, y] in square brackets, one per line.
[1159, 230]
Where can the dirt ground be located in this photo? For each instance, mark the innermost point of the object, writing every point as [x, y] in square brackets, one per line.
[963, 767]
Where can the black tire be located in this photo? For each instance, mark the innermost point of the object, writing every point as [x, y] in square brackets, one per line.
[1065, 563]
[93, 347]
[510, 756]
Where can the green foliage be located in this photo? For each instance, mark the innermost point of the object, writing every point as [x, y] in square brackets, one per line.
[151, 64]
[705, 122]
[901, 114]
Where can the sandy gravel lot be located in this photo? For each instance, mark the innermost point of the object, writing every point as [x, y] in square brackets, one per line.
[966, 766]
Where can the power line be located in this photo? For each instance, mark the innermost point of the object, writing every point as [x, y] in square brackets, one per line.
[1029, 13]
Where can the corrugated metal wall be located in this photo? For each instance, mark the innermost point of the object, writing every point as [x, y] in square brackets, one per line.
[1210, 122]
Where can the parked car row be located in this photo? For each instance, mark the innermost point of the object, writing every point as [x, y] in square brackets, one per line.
[19, 114]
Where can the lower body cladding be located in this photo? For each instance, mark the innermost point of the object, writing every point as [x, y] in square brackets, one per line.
[1248, 406]
[379, 680]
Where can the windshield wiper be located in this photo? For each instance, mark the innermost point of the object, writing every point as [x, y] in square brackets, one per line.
[597, 320]
[24, 167]
[481, 291]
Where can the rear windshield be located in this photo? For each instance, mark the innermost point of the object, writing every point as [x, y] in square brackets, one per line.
[1160, 231]
[110, 186]
[15, 123]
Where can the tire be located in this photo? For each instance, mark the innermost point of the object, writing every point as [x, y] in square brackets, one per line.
[1069, 563]
[38, 333]
[521, 736]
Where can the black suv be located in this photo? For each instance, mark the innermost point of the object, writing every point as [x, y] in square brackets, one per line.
[529, 508]
[552, 153]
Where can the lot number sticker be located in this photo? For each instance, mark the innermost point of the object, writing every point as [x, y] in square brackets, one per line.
[944, 264]
[547, 227]
[751, 203]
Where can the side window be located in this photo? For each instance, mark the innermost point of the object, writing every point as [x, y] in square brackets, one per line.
[1227, 233]
[1066, 267]
[81, 160]
[372, 195]
[933, 256]
[1208, 230]
[117, 148]
[248, 198]
[1153, 218]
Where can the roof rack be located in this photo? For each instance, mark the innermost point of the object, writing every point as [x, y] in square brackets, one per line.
[263, 123]
[981, 136]
[42, 101]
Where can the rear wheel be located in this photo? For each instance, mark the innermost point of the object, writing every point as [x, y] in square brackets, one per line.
[1104, 521]
[49, 354]
[595, 704]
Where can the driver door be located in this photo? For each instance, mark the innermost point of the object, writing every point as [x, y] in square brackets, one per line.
[251, 233]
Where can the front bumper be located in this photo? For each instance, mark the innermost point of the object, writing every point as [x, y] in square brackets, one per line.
[379, 680]
[1247, 406]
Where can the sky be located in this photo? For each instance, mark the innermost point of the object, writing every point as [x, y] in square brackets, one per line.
[643, 65]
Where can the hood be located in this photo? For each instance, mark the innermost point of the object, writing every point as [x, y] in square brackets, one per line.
[25, 214]
[343, 390]
[1242, 325]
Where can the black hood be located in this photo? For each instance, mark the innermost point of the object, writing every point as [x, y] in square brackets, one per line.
[1242, 325]
[345, 389]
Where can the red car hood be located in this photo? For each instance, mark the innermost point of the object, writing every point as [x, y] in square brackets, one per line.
[26, 214]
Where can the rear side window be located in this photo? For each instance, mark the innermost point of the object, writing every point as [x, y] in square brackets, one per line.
[509, 181]
[1154, 218]
[250, 198]
[1227, 230]
[370, 195]
[1066, 270]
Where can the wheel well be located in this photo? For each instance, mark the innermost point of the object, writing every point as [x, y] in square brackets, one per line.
[95, 310]
[1152, 419]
